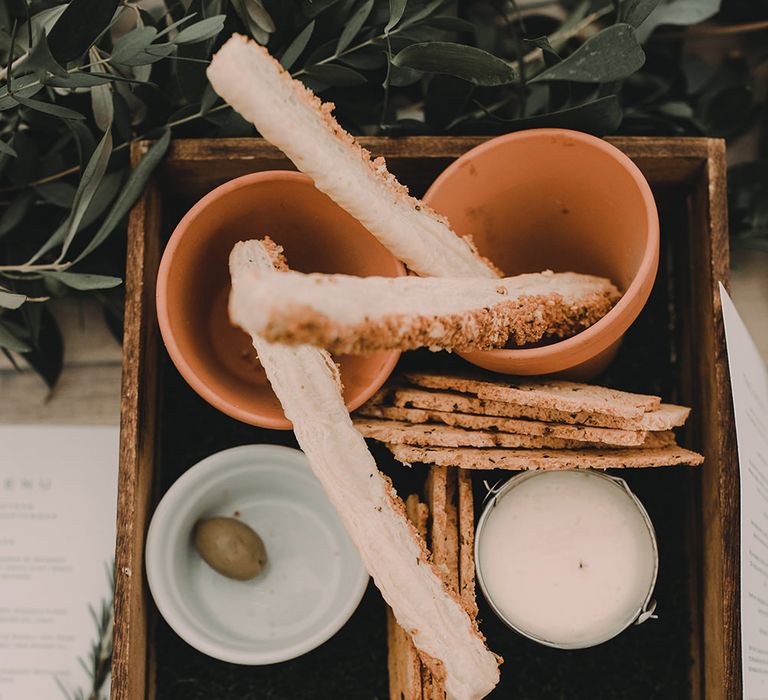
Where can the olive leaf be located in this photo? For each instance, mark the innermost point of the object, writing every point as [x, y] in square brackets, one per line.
[131, 46]
[252, 18]
[83, 281]
[354, 25]
[129, 193]
[259, 15]
[200, 31]
[466, 62]
[429, 9]
[157, 52]
[396, 10]
[86, 189]
[635, 12]
[678, 12]
[24, 87]
[105, 195]
[612, 54]
[55, 110]
[297, 46]
[11, 300]
[84, 80]
[175, 25]
[101, 98]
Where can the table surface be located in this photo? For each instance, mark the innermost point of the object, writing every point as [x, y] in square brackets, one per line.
[89, 389]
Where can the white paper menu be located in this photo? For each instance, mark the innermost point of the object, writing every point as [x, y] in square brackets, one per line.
[749, 384]
[58, 491]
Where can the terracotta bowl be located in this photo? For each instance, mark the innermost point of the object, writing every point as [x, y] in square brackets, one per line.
[218, 359]
[560, 200]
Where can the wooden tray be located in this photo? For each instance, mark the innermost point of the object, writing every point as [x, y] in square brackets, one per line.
[682, 354]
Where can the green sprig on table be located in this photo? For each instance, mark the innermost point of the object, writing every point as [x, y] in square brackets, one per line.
[81, 81]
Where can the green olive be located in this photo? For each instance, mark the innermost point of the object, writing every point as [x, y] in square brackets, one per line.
[230, 547]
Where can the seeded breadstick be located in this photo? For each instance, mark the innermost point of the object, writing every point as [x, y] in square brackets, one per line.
[665, 417]
[581, 433]
[292, 118]
[354, 315]
[471, 458]
[307, 382]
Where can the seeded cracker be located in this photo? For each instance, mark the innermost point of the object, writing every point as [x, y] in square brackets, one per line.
[431, 435]
[557, 395]
[471, 458]
[666, 417]
[377, 408]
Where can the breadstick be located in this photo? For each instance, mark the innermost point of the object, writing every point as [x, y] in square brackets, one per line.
[355, 315]
[307, 382]
[292, 118]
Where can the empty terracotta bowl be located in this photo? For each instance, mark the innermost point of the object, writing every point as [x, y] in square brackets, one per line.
[218, 359]
[565, 201]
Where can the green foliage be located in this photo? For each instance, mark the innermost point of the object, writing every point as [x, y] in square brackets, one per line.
[613, 54]
[82, 80]
[466, 62]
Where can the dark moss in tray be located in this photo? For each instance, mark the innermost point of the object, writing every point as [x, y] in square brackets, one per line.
[647, 662]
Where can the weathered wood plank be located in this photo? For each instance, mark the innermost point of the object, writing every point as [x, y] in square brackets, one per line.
[709, 255]
[697, 164]
[195, 166]
[138, 421]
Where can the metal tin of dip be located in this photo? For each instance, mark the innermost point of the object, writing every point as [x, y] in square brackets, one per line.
[568, 559]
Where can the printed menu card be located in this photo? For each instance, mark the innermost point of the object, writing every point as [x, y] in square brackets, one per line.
[58, 491]
[749, 384]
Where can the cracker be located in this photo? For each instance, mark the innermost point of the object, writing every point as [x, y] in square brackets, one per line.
[403, 661]
[436, 435]
[569, 397]
[603, 436]
[466, 542]
[426, 434]
[666, 417]
[472, 458]
[440, 490]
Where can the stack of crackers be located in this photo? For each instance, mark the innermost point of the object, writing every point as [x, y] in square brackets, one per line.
[477, 423]
[444, 518]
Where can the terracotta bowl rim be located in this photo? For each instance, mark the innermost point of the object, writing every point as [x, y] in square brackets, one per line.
[250, 417]
[615, 323]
